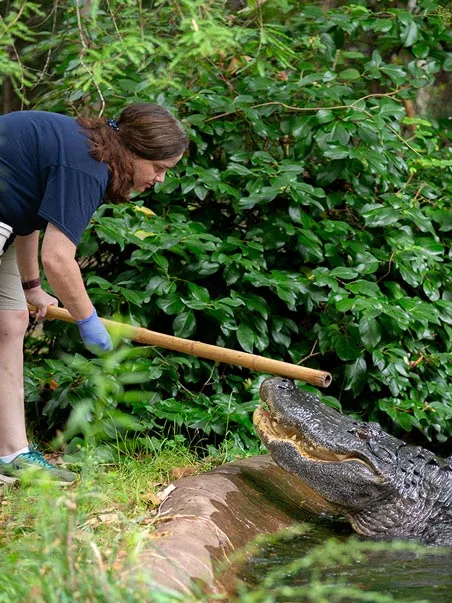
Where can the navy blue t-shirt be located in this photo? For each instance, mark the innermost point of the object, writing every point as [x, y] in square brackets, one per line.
[47, 174]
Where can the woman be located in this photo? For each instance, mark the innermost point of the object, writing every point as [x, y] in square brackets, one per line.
[54, 172]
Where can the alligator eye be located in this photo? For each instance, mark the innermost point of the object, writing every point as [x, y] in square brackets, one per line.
[362, 434]
[359, 432]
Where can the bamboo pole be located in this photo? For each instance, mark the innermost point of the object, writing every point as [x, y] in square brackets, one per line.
[205, 350]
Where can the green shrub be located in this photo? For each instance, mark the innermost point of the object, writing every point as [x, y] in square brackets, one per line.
[310, 221]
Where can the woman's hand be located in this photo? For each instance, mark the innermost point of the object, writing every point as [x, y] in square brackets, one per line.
[40, 299]
[94, 335]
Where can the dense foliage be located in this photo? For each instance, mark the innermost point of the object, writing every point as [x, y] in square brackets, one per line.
[310, 221]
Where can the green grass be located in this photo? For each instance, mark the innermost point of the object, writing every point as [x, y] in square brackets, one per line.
[65, 545]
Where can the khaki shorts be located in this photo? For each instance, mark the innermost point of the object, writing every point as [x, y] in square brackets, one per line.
[11, 293]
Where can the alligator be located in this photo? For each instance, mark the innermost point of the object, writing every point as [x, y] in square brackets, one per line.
[384, 487]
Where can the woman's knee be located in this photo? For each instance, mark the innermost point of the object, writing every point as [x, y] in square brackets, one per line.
[13, 324]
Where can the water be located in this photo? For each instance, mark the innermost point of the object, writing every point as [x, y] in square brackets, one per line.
[407, 575]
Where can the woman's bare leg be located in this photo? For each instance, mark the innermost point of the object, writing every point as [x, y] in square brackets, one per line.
[13, 437]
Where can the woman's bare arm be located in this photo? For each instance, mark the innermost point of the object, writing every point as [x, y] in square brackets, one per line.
[63, 273]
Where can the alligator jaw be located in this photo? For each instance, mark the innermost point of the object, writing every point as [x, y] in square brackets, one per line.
[271, 430]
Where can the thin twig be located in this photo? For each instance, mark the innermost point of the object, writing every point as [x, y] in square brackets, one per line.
[292, 108]
[49, 52]
[402, 139]
[83, 52]
[391, 259]
[419, 191]
[311, 353]
[334, 107]
[21, 89]
[114, 21]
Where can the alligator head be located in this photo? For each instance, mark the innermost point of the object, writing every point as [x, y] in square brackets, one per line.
[384, 487]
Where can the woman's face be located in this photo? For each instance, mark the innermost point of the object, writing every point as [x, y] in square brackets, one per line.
[147, 172]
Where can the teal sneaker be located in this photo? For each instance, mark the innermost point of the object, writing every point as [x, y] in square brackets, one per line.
[34, 461]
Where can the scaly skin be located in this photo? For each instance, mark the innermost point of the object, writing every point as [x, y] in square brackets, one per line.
[384, 487]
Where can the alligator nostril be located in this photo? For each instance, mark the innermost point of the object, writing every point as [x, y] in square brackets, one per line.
[283, 384]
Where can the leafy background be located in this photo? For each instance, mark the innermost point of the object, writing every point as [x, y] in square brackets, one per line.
[310, 220]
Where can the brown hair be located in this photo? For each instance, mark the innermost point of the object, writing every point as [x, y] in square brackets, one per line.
[142, 130]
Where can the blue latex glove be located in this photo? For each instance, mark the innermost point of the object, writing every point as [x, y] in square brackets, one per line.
[93, 333]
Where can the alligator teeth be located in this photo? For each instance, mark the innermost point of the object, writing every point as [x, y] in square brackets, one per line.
[294, 438]
[274, 424]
